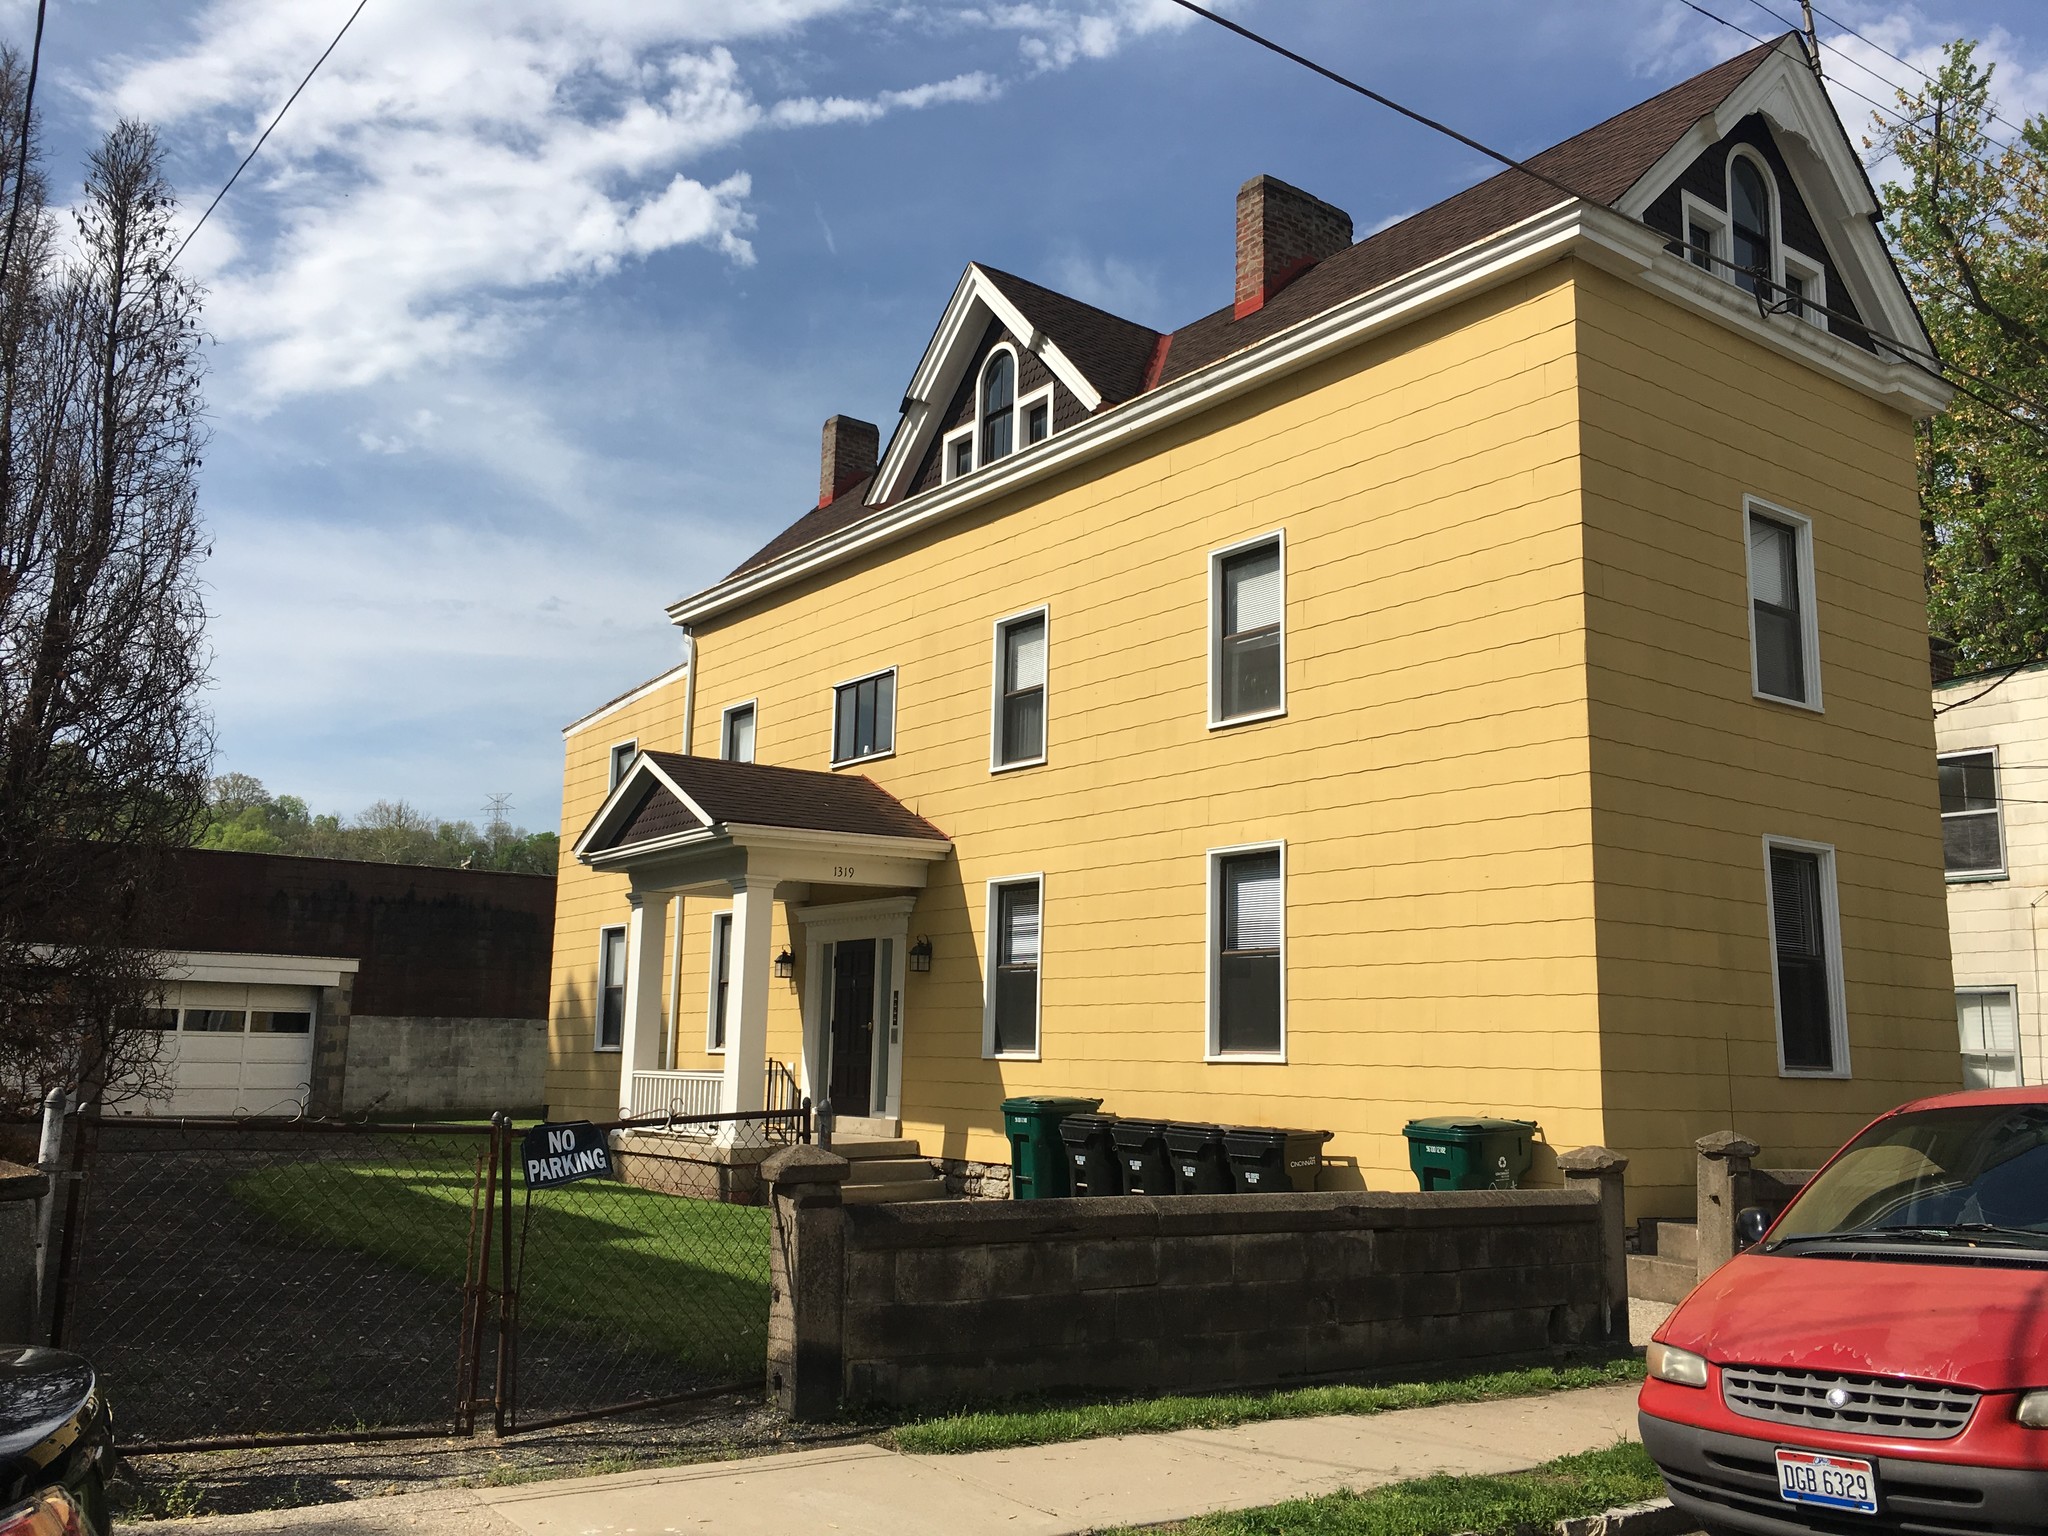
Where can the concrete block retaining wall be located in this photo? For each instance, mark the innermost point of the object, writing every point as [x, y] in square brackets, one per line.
[403, 1065]
[940, 1302]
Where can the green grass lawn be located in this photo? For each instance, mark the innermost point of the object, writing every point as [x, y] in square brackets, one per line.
[998, 1429]
[688, 1278]
[1564, 1489]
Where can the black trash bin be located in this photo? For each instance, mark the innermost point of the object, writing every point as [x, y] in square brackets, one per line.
[1268, 1161]
[1141, 1154]
[1201, 1164]
[1092, 1165]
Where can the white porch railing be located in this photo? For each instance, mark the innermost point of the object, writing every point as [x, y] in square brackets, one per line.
[677, 1093]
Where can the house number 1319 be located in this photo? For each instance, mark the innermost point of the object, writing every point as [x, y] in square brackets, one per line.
[842, 871]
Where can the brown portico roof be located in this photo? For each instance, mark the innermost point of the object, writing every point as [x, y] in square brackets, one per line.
[668, 794]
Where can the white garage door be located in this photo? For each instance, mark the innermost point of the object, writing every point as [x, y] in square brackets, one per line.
[234, 1049]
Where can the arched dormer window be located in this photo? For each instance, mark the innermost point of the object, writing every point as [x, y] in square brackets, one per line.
[998, 397]
[1751, 223]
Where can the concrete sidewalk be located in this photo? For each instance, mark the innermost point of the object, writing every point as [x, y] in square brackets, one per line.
[1050, 1490]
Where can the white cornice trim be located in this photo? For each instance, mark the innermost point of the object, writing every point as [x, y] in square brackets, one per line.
[944, 363]
[642, 769]
[1600, 236]
[750, 836]
[652, 685]
[275, 970]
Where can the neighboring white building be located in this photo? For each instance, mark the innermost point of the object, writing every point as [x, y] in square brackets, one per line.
[1991, 730]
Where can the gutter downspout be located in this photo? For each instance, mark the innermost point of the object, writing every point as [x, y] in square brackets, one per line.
[2019, 1035]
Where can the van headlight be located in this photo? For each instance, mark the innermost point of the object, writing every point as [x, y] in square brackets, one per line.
[2034, 1410]
[1683, 1368]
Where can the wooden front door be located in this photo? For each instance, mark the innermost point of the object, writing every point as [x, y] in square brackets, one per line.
[851, 1085]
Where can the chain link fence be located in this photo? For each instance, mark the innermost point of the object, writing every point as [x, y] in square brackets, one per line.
[247, 1281]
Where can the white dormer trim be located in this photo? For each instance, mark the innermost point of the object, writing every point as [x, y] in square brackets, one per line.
[614, 808]
[1825, 169]
[976, 300]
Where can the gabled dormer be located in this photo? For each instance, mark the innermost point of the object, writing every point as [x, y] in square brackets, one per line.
[1010, 365]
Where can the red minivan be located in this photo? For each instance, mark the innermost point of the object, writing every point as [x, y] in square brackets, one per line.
[1877, 1360]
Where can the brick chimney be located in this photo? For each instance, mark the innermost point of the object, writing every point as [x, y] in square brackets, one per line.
[851, 451]
[1281, 233]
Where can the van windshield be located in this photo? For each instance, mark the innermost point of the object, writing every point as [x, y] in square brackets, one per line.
[1973, 1173]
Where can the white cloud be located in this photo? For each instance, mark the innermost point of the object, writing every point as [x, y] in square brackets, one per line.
[451, 161]
[1055, 36]
[1109, 282]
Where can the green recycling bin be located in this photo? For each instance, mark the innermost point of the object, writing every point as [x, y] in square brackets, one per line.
[1468, 1151]
[1038, 1159]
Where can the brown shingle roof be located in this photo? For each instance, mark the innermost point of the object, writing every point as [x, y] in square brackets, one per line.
[761, 794]
[1601, 164]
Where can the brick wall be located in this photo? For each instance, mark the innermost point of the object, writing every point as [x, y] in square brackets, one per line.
[942, 1302]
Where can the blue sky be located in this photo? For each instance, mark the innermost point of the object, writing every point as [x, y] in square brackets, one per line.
[526, 318]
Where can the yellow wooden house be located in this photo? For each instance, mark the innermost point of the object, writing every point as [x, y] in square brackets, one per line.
[1480, 668]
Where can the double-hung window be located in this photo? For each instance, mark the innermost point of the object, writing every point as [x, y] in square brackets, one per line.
[736, 734]
[864, 717]
[611, 989]
[1019, 723]
[622, 759]
[1987, 1019]
[1014, 908]
[1806, 959]
[1972, 841]
[998, 398]
[721, 979]
[1784, 638]
[1247, 650]
[1247, 950]
[1750, 221]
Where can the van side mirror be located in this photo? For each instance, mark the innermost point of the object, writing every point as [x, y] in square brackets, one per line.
[1751, 1223]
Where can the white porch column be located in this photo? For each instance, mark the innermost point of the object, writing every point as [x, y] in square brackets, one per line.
[746, 996]
[640, 1040]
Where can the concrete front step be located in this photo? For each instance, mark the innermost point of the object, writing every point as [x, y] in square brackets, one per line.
[1669, 1239]
[894, 1191]
[864, 1151]
[1656, 1277]
[889, 1170]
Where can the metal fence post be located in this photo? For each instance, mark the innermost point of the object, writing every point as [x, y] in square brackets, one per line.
[504, 1416]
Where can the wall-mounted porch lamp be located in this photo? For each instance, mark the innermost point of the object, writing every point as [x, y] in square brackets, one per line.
[785, 965]
[921, 954]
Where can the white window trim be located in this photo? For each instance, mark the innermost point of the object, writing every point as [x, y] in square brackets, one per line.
[1773, 194]
[1694, 209]
[1211, 953]
[1795, 264]
[613, 772]
[946, 470]
[1042, 612]
[1831, 915]
[991, 949]
[725, 727]
[597, 1013]
[711, 985]
[1016, 384]
[1024, 404]
[1809, 614]
[2019, 1035]
[2004, 870]
[832, 731]
[1278, 538]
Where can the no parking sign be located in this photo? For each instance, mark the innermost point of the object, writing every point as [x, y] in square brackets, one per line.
[562, 1154]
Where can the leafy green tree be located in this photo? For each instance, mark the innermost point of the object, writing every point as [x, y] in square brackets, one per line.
[244, 817]
[1969, 222]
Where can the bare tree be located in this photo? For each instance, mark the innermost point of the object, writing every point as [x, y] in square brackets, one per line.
[104, 744]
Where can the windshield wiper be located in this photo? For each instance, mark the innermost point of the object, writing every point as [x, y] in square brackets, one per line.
[1955, 1231]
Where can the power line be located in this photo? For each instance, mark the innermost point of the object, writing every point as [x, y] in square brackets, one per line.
[2003, 678]
[28, 104]
[1907, 63]
[1386, 101]
[223, 192]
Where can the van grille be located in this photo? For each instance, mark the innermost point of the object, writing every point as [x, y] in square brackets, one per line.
[1877, 1405]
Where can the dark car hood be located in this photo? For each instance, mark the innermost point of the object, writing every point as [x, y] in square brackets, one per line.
[41, 1391]
[1976, 1325]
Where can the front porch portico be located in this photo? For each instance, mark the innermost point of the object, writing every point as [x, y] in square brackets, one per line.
[680, 826]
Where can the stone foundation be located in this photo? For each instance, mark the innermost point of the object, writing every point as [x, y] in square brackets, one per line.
[974, 1181]
[694, 1169]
